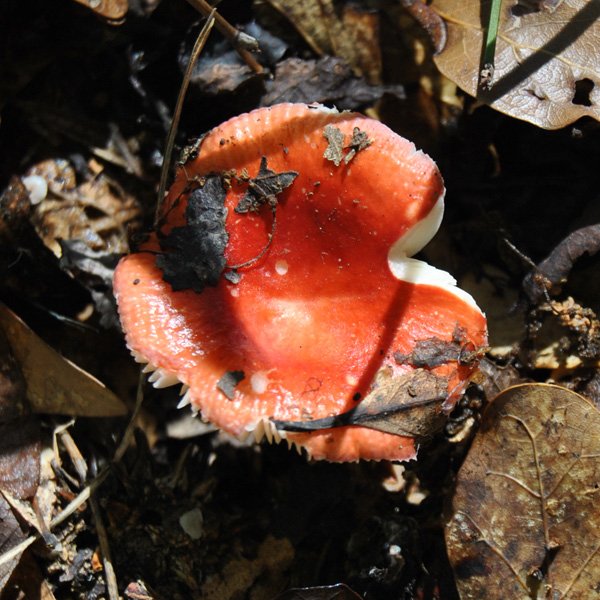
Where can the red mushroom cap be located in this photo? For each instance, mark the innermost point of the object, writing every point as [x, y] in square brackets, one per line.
[332, 301]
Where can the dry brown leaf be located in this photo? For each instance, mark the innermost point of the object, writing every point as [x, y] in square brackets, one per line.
[353, 35]
[547, 64]
[113, 10]
[54, 384]
[526, 522]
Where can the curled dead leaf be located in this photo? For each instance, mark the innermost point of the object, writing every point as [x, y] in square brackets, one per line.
[547, 67]
[406, 405]
[525, 522]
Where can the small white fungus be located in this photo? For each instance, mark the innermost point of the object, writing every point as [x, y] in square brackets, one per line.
[281, 267]
[351, 380]
[37, 187]
[259, 382]
[192, 522]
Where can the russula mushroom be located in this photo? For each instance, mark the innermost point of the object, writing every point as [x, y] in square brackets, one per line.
[279, 288]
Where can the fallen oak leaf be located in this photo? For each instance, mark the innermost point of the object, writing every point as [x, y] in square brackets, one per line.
[407, 405]
[525, 519]
[546, 70]
[55, 385]
[11, 535]
[19, 432]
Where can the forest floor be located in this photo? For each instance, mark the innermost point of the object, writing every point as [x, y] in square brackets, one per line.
[186, 512]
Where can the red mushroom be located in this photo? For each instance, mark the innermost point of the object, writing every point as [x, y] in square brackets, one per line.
[302, 220]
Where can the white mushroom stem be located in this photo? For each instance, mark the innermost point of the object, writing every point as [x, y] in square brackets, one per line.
[412, 270]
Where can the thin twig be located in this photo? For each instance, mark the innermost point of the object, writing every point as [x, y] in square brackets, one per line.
[109, 572]
[133, 164]
[198, 46]
[126, 439]
[238, 38]
[262, 252]
[75, 455]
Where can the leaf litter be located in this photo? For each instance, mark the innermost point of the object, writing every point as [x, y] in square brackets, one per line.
[341, 526]
[19, 454]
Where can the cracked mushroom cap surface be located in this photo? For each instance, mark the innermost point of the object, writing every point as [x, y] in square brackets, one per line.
[329, 299]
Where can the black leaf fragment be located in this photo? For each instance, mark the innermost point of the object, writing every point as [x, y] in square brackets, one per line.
[409, 405]
[228, 382]
[433, 352]
[193, 256]
[264, 188]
